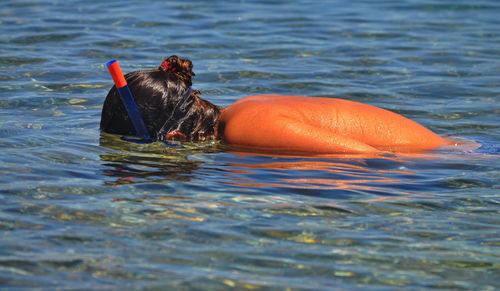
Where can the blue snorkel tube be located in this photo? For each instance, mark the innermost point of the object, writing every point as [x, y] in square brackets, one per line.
[128, 100]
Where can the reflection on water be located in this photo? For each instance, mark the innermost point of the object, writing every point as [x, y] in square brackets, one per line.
[381, 177]
[150, 162]
[369, 178]
[349, 176]
[158, 162]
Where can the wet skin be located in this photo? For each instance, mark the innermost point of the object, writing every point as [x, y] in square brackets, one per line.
[321, 125]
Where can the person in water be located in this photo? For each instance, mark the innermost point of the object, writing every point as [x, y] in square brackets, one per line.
[172, 110]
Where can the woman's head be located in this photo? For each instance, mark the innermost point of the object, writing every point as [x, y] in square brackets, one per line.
[169, 107]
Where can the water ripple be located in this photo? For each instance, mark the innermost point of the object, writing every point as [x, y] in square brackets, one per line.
[87, 210]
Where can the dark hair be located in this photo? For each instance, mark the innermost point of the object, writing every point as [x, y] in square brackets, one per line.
[169, 107]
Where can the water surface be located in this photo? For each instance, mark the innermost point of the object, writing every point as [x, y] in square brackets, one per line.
[81, 209]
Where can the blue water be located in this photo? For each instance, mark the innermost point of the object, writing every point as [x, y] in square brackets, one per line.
[85, 210]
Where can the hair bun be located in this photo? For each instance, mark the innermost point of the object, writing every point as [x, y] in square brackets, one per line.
[182, 68]
[167, 66]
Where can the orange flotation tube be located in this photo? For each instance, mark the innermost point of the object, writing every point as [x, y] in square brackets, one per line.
[321, 125]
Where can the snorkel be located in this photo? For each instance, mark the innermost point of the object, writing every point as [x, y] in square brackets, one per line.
[128, 100]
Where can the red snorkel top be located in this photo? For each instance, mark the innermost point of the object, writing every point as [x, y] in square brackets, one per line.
[116, 73]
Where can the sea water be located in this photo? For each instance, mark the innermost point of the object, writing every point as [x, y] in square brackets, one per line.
[85, 210]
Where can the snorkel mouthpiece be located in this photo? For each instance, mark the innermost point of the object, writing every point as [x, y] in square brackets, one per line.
[127, 99]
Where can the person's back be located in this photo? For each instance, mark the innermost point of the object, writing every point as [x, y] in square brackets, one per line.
[322, 125]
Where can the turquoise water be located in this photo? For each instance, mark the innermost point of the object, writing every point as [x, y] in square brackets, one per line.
[85, 210]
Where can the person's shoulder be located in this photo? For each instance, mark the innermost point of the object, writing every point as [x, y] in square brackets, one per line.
[293, 100]
[259, 104]
[266, 99]
[254, 112]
